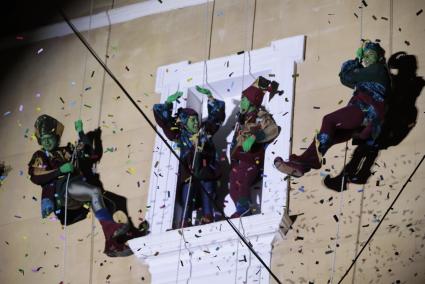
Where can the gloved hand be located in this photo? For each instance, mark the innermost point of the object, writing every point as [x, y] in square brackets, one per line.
[204, 91]
[359, 53]
[46, 207]
[247, 144]
[66, 168]
[79, 126]
[174, 97]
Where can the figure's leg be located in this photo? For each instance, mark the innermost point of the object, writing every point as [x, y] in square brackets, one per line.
[241, 179]
[187, 201]
[233, 177]
[337, 127]
[207, 204]
[83, 191]
[363, 172]
[349, 170]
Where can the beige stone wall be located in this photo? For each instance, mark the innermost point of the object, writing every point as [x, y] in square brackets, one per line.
[333, 32]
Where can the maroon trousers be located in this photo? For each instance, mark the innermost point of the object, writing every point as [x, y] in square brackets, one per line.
[339, 126]
[242, 176]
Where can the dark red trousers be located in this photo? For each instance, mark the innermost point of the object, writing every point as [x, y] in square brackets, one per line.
[339, 126]
[242, 177]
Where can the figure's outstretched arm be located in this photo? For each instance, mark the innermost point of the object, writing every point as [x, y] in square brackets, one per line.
[164, 119]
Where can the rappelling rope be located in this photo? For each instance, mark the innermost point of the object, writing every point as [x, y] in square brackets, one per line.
[341, 192]
[359, 227]
[248, 45]
[207, 56]
[150, 123]
[93, 224]
[409, 179]
[74, 154]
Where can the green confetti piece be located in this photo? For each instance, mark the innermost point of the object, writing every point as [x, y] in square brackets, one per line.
[304, 139]
[22, 271]
[340, 102]
[87, 106]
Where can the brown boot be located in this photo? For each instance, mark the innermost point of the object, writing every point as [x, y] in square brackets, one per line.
[206, 219]
[113, 230]
[116, 249]
[133, 232]
[291, 168]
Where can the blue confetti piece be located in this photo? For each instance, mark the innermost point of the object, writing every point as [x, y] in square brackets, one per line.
[7, 113]
[360, 190]
[301, 188]
[323, 174]
[21, 172]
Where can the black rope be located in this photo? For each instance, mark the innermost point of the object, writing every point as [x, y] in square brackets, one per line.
[211, 30]
[96, 56]
[382, 219]
[253, 24]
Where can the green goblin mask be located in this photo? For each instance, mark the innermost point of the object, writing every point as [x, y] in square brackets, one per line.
[370, 57]
[192, 124]
[49, 142]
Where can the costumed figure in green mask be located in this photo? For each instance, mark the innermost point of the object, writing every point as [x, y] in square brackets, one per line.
[195, 142]
[254, 130]
[51, 167]
[362, 118]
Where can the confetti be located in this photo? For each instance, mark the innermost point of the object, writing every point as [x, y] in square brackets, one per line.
[21, 108]
[36, 269]
[419, 12]
[40, 51]
[87, 106]
[131, 171]
[7, 113]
